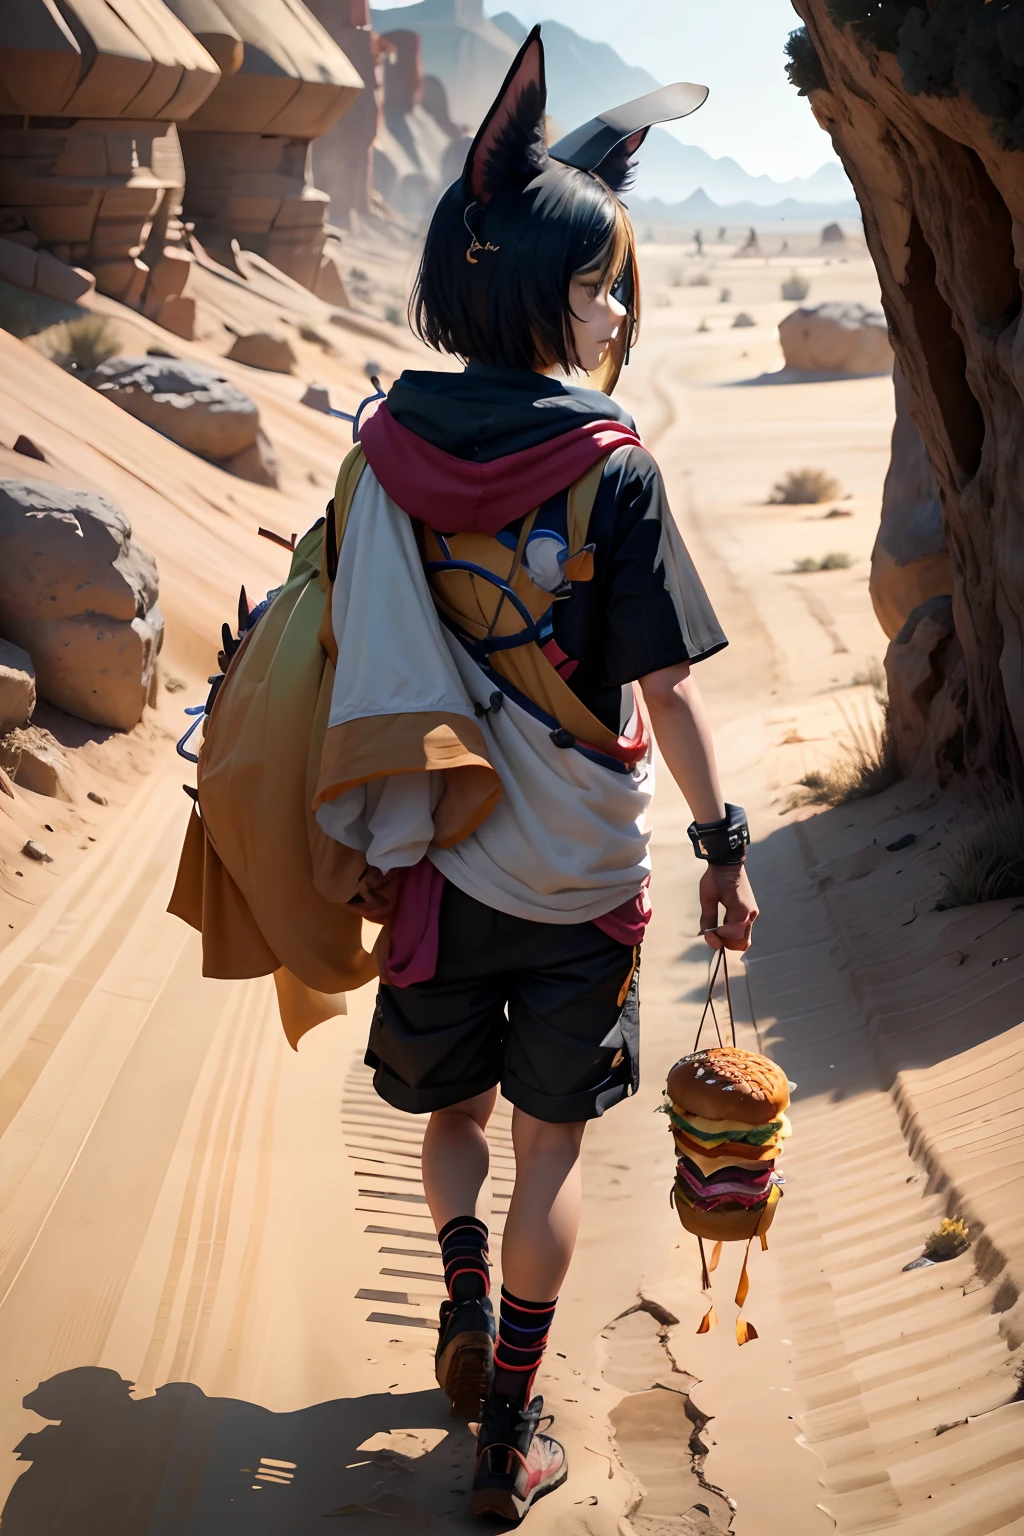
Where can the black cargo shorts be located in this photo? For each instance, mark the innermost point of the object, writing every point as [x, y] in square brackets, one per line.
[550, 1011]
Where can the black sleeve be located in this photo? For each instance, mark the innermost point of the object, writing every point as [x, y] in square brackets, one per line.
[656, 613]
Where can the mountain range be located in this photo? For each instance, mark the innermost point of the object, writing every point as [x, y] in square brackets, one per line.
[470, 54]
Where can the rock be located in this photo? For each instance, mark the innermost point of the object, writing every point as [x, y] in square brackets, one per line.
[17, 687]
[34, 850]
[191, 403]
[910, 561]
[836, 338]
[317, 397]
[833, 235]
[40, 765]
[26, 446]
[330, 285]
[258, 463]
[80, 596]
[95, 798]
[915, 672]
[264, 349]
[57, 280]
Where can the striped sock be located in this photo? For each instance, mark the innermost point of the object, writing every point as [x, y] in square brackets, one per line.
[522, 1334]
[464, 1255]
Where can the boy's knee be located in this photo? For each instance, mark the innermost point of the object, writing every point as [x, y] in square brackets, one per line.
[537, 1138]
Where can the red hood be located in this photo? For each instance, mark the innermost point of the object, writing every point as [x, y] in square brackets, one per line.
[453, 495]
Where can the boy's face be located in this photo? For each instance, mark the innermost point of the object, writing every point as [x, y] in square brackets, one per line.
[596, 316]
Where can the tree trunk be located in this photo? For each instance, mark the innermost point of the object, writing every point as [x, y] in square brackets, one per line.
[943, 208]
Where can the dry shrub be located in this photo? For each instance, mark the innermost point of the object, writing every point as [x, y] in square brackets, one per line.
[743, 321]
[699, 280]
[79, 345]
[796, 287]
[804, 487]
[988, 865]
[725, 296]
[837, 560]
[865, 766]
[950, 1238]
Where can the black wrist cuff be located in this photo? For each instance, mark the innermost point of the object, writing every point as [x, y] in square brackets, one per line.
[721, 842]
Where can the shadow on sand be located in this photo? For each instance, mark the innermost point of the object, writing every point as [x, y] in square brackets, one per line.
[797, 376]
[180, 1463]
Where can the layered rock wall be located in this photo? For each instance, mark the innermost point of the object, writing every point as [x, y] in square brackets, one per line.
[247, 149]
[91, 169]
[343, 156]
[942, 193]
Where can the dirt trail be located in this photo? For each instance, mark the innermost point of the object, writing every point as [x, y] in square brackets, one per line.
[240, 1232]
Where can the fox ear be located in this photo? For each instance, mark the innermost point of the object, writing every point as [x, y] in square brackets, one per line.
[618, 170]
[510, 148]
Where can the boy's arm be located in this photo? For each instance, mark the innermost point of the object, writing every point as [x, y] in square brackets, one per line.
[683, 734]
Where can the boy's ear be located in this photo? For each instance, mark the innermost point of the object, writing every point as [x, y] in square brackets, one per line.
[510, 147]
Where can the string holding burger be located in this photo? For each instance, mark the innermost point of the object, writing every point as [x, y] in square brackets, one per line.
[727, 1110]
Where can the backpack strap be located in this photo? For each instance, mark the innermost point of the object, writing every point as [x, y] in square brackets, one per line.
[338, 509]
[582, 495]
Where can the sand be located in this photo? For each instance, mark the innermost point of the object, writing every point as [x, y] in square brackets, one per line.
[240, 1231]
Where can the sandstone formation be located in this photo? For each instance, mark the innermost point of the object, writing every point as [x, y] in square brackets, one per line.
[193, 405]
[283, 83]
[17, 687]
[80, 596]
[343, 156]
[917, 664]
[91, 169]
[910, 561]
[40, 272]
[411, 144]
[461, 47]
[264, 349]
[836, 338]
[924, 111]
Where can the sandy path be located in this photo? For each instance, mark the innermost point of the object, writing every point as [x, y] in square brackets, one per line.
[240, 1231]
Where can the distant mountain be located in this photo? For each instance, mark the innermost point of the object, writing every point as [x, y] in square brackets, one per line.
[471, 54]
[699, 211]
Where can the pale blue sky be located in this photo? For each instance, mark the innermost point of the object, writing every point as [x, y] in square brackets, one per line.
[733, 46]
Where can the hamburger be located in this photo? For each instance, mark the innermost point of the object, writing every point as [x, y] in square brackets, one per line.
[727, 1110]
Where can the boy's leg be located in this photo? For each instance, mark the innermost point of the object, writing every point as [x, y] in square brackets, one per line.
[455, 1160]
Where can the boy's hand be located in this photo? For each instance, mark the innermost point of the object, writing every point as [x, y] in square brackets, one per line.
[377, 894]
[726, 885]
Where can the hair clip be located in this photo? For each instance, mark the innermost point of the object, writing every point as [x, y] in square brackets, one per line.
[474, 243]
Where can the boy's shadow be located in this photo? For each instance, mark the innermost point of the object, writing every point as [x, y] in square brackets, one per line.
[180, 1463]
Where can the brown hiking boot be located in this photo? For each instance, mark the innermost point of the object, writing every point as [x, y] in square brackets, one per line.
[464, 1360]
[515, 1463]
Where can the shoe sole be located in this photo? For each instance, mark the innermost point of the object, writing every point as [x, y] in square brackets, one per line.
[504, 1503]
[465, 1371]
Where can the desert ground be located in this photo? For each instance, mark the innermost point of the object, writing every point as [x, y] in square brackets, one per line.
[217, 1274]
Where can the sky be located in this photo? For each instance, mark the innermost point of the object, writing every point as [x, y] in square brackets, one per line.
[733, 46]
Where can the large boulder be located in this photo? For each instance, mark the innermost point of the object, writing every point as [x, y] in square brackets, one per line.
[17, 687]
[270, 350]
[910, 562]
[836, 338]
[191, 403]
[80, 596]
[917, 664]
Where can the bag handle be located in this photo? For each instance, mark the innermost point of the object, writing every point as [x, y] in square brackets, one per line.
[720, 963]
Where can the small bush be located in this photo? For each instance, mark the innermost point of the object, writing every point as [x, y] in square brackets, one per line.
[79, 345]
[699, 280]
[872, 676]
[804, 68]
[394, 315]
[950, 1238]
[988, 865]
[866, 765]
[804, 487]
[796, 287]
[837, 560]
[703, 326]
[725, 295]
[358, 275]
[743, 321]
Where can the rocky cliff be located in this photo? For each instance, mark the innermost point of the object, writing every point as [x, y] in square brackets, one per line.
[926, 109]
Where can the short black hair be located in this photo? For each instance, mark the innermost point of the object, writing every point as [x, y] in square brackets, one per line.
[510, 307]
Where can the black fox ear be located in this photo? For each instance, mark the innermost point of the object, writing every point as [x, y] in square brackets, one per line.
[510, 148]
[607, 144]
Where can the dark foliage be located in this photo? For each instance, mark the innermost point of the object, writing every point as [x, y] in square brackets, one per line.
[951, 46]
[804, 66]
